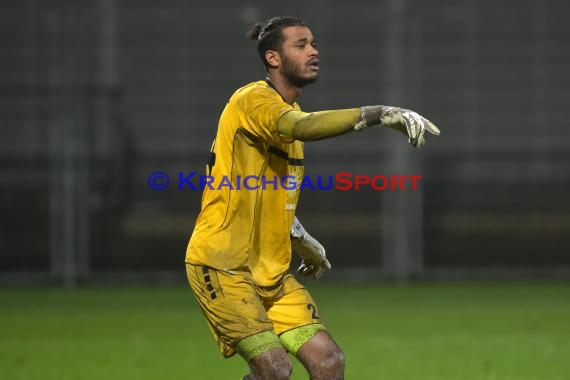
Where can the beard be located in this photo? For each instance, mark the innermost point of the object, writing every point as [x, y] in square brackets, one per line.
[292, 73]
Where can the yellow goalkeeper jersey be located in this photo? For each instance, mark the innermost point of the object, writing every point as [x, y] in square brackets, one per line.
[250, 196]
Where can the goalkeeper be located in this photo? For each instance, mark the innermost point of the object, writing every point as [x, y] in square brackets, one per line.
[239, 254]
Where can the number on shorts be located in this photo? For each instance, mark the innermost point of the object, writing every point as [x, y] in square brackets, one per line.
[312, 307]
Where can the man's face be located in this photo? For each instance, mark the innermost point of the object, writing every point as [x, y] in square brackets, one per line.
[299, 56]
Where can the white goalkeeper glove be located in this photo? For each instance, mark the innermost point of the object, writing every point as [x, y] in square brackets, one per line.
[312, 252]
[408, 122]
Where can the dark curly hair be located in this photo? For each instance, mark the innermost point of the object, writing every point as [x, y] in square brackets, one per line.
[269, 34]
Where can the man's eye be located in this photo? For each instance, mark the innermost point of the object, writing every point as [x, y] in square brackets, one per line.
[301, 46]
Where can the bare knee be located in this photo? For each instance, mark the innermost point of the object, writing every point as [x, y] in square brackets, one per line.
[330, 366]
[334, 359]
[274, 365]
[322, 358]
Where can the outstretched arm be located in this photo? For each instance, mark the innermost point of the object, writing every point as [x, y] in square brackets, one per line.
[318, 125]
[324, 124]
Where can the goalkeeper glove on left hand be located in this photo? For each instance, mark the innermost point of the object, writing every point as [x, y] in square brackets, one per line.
[406, 121]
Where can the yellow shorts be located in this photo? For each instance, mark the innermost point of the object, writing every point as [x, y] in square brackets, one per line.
[236, 308]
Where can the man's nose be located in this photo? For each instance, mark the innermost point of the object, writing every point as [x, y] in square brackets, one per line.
[314, 51]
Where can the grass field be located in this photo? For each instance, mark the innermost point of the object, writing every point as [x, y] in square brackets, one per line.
[502, 332]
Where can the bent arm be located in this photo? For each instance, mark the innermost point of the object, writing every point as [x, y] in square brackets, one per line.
[319, 125]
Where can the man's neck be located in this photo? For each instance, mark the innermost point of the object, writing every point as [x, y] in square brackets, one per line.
[288, 93]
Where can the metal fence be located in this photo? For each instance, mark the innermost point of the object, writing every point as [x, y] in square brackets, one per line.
[97, 95]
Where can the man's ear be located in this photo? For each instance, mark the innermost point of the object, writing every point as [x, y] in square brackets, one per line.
[273, 58]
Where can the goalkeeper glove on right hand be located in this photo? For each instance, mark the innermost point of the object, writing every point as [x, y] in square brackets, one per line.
[406, 121]
[312, 252]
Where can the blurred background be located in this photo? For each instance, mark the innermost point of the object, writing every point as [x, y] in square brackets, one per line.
[97, 95]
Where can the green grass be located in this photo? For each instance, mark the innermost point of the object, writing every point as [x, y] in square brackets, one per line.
[498, 332]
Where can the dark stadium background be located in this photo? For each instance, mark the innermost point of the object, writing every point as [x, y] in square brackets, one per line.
[465, 278]
[97, 95]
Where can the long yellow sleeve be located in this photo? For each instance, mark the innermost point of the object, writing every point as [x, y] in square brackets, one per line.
[319, 125]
